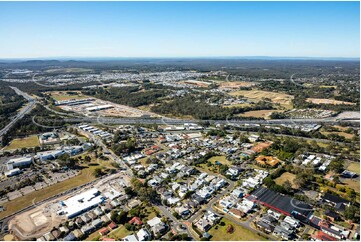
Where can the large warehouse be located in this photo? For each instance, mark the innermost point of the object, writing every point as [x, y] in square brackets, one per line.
[281, 203]
[81, 203]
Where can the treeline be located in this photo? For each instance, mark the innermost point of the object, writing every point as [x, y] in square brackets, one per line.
[130, 96]
[10, 102]
[301, 93]
[33, 88]
[199, 109]
[26, 126]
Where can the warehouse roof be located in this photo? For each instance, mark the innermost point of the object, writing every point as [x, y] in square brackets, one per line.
[281, 203]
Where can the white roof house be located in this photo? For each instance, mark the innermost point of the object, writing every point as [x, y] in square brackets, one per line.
[154, 221]
[143, 235]
[130, 238]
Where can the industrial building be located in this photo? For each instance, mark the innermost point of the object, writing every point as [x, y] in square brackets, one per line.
[98, 108]
[81, 203]
[19, 162]
[13, 172]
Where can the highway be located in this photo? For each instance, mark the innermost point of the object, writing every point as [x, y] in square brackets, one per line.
[160, 121]
[22, 111]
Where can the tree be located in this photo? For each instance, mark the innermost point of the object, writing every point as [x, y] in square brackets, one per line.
[337, 165]
[351, 212]
[97, 172]
[287, 185]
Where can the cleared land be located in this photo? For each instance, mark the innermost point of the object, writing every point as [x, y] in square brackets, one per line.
[27, 142]
[61, 96]
[235, 85]
[85, 176]
[327, 101]
[258, 113]
[286, 177]
[257, 95]
[239, 233]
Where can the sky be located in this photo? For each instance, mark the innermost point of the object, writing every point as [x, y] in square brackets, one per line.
[179, 29]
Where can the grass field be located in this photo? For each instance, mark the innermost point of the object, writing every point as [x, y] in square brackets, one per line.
[61, 96]
[239, 233]
[28, 142]
[257, 113]
[86, 175]
[222, 159]
[95, 236]
[257, 95]
[354, 167]
[119, 233]
[354, 184]
[346, 135]
[286, 177]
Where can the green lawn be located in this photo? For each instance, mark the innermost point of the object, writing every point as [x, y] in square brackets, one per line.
[239, 233]
[27, 142]
[222, 159]
[286, 177]
[119, 233]
[354, 167]
[61, 96]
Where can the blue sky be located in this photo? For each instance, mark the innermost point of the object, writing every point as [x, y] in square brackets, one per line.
[179, 29]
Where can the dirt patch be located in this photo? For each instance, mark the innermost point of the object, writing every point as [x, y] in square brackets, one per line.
[235, 85]
[258, 95]
[327, 101]
[286, 177]
[258, 113]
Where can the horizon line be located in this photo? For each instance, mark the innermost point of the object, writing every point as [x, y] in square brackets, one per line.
[176, 57]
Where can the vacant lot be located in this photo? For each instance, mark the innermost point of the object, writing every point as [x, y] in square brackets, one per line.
[239, 233]
[327, 101]
[235, 85]
[28, 142]
[85, 176]
[61, 96]
[257, 113]
[257, 95]
[354, 167]
[286, 177]
[222, 159]
[119, 233]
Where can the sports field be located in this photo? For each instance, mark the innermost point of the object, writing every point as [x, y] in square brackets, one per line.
[27, 142]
